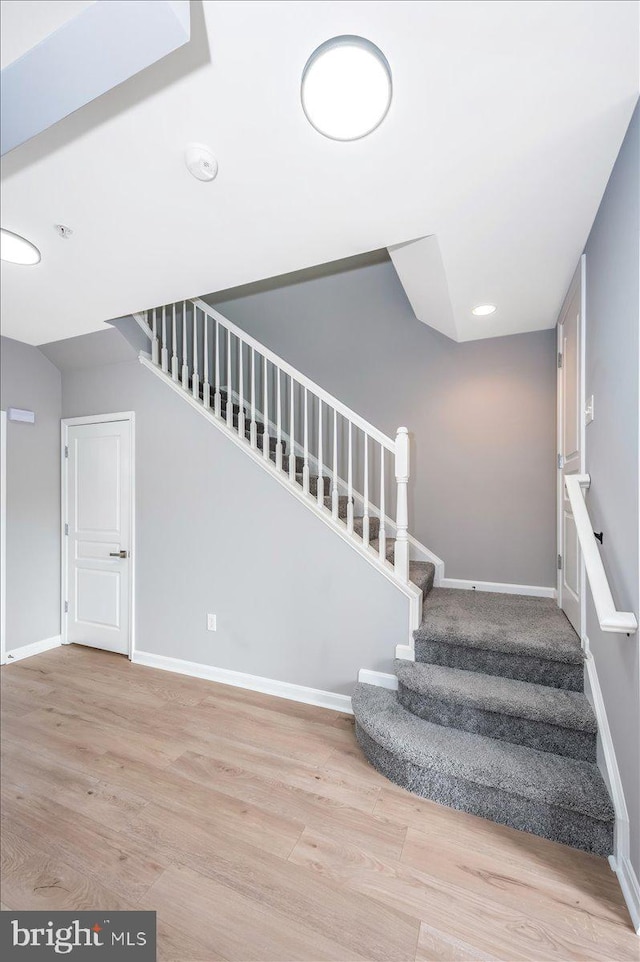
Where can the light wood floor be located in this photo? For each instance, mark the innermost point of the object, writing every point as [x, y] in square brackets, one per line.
[256, 830]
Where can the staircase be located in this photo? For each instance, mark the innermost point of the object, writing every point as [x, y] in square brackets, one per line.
[491, 718]
[349, 473]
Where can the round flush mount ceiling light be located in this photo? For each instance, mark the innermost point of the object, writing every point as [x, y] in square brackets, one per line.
[484, 309]
[346, 88]
[16, 249]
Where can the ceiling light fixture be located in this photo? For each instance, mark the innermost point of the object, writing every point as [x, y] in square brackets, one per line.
[346, 88]
[16, 249]
[484, 309]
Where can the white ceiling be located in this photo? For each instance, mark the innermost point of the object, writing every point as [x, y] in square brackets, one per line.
[505, 123]
[26, 22]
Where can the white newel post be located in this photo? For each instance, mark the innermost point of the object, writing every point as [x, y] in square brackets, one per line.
[401, 563]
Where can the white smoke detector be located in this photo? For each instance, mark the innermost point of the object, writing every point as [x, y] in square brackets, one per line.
[200, 162]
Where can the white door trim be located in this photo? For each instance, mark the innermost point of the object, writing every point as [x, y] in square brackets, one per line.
[3, 536]
[579, 278]
[66, 423]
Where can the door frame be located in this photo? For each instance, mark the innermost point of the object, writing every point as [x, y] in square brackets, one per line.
[578, 279]
[65, 424]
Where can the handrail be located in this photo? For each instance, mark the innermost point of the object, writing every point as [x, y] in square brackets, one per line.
[609, 617]
[302, 379]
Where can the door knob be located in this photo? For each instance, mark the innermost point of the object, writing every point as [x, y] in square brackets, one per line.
[118, 554]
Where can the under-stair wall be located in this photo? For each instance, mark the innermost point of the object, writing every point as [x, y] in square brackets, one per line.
[481, 414]
[216, 534]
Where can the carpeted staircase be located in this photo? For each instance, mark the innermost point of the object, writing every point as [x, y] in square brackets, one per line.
[491, 718]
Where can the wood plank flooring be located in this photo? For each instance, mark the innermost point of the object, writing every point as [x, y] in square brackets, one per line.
[257, 831]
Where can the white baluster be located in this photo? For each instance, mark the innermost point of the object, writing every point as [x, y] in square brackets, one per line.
[185, 355]
[195, 380]
[365, 517]
[320, 491]
[335, 498]
[292, 432]
[155, 346]
[206, 387]
[229, 383]
[278, 421]
[253, 436]
[382, 536]
[174, 346]
[401, 559]
[217, 406]
[265, 413]
[241, 427]
[350, 484]
[164, 353]
[305, 469]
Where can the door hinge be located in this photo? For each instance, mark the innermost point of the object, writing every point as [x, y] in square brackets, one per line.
[66, 607]
[559, 359]
[66, 450]
[560, 462]
[66, 530]
[559, 562]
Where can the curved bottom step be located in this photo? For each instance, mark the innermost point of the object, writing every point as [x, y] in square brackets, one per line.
[561, 799]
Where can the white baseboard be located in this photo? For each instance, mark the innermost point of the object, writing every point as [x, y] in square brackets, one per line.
[619, 861]
[26, 651]
[630, 888]
[405, 652]
[379, 678]
[225, 676]
[534, 591]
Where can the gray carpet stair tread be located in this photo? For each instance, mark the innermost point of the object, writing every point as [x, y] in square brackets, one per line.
[390, 550]
[534, 775]
[517, 624]
[374, 527]
[519, 699]
[422, 573]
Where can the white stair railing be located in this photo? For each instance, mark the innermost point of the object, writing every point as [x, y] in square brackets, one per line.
[300, 428]
[609, 617]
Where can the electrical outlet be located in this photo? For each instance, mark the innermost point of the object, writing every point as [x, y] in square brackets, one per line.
[211, 623]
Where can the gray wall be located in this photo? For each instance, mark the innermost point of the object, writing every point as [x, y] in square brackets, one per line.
[29, 380]
[482, 413]
[215, 534]
[612, 357]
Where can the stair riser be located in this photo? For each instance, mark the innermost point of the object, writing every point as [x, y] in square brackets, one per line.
[539, 671]
[548, 821]
[521, 731]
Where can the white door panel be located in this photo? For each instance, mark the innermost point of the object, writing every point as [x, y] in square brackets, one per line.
[98, 513]
[570, 447]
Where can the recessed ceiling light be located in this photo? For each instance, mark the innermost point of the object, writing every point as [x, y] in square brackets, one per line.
[346, 88]
[16, 249]
[483, 309]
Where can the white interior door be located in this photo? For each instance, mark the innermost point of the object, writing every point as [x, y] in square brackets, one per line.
[571, 448]
[98, 536]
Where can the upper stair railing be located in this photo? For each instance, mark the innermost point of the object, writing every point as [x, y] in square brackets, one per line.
[340, 461]
[609, 617]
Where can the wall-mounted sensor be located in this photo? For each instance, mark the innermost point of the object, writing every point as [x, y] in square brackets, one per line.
[200, 162]
[17, 414]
